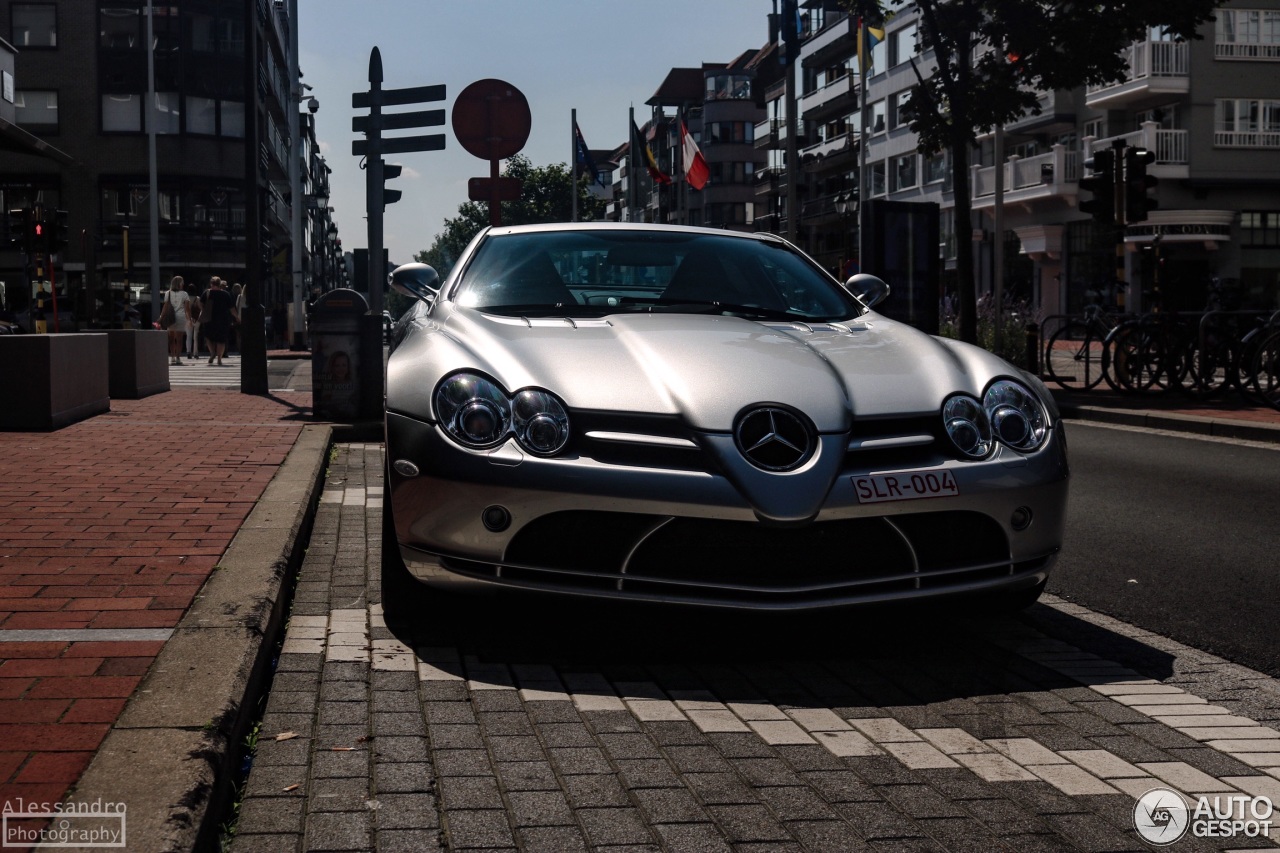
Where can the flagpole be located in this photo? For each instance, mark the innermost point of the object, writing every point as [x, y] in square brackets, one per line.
[573, 163]
[862, 147]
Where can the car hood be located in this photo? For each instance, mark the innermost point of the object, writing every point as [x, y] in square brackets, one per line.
[705, 369]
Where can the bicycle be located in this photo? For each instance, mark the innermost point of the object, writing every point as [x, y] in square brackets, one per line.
[1074, 353]
[1264, 370]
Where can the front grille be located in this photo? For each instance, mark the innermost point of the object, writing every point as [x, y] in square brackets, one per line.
[746, 563]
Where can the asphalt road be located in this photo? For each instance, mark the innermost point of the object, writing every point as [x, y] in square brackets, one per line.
[1179, 536]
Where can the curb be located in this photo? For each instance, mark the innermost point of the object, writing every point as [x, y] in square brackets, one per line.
[170, 756]
[1173, 422]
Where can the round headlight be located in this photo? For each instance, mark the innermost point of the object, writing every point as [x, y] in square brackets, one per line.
[1017, 417]
[473, 410]
[968, 426]
[540, 422]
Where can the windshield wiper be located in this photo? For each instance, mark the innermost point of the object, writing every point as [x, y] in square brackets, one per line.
[708, 306]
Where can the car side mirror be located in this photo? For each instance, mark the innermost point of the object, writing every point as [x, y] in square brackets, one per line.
[869, 290]
[419, 281]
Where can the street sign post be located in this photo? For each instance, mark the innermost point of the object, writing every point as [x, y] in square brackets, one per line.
[491, 119]
[373, 146]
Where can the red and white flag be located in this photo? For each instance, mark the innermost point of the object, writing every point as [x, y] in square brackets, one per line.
[695, 166]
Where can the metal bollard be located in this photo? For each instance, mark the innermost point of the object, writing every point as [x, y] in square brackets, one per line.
[1033, 349]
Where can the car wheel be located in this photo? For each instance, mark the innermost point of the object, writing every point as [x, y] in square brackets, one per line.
[399, 589]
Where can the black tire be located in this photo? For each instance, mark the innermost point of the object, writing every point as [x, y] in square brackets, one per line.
[1073, 357]
[1264, 373]
[399, 588]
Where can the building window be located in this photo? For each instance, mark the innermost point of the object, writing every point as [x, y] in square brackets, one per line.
[902, 45]
[168, 113]
[728, 87]
[1260, 227]
[1246, 123]
[878, 117]
[897, 101]
[904, 172]
[214, 33]
[202, 116]
[37, 110]
[1097, 128]
[1247, 34]
[231, 114]
[120, 27]
[729, 131]
[936, 168]
[121, 113]
[877, 178]
[34, 24]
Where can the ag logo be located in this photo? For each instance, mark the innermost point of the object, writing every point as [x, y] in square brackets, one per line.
[1160, 816]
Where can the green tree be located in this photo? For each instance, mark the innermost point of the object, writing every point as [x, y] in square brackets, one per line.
[544, 197]
[992, 57]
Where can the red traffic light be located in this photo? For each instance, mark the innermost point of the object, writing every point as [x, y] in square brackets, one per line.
[39, 229]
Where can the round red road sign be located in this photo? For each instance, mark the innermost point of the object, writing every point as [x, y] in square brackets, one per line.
[491, 119]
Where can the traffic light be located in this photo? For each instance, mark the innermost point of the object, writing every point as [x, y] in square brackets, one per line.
[389, 171]
[1102, 183]
[1136, 183]
[19, 229]
[58, 234]
[39, 237]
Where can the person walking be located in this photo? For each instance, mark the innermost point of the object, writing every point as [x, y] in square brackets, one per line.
[193, 323]
[215, 318]
[177, 299]
[237, 302]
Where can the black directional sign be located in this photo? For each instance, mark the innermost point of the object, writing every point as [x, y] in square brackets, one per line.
[398, 121]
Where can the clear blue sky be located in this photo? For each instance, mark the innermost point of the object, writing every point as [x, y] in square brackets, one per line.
[599, 57]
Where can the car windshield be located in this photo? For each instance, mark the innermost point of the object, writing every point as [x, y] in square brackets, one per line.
[594, 273]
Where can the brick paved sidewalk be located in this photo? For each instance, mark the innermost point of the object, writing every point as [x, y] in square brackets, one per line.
[108, 528]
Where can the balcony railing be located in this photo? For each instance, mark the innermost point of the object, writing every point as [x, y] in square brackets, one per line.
[1057, 172]
[1246, 139]
[769, 132]
[841, 87]
[1149, 60]
[1250, 51]
[835, 145]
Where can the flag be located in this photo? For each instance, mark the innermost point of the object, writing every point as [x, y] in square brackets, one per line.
[642, 150]
[695, 166]
[584, 164]
[870, 36]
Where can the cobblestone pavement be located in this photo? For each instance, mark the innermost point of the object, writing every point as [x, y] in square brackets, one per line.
[523, 723]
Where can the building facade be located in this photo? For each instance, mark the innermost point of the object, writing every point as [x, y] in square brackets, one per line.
[1208, 109]
[222, 145]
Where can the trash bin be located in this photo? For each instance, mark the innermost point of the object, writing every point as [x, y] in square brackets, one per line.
[336, 329]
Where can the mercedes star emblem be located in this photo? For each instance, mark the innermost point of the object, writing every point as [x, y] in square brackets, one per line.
[774, 439]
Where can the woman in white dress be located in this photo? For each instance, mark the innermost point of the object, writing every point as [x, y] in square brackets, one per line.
[178, 298]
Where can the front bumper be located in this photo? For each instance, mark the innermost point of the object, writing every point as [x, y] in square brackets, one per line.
[582, 526]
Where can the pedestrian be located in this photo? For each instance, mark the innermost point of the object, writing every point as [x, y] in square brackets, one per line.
[193, 323]
[237, 302]
[177, 299]
[215, 318]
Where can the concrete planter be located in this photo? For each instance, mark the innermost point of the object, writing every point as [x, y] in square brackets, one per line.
[51, 381]
[138, 362]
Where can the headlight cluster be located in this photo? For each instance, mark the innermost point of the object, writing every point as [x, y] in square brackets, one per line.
[477, 413]
[1008, 413]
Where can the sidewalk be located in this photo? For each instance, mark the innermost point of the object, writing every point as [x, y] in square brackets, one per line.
[110, 533]
[1227, 416]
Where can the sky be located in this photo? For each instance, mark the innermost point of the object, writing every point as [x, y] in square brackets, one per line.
[600, 57]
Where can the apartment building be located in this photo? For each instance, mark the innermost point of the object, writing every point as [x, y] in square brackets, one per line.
[1209, 110]
[222, 146]
[720, 105]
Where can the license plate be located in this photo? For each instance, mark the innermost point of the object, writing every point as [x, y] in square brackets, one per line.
[905, 486]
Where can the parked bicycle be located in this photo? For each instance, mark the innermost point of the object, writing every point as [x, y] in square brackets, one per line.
[1074, 353]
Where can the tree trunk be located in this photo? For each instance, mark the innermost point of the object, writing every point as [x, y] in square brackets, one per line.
[966, 285]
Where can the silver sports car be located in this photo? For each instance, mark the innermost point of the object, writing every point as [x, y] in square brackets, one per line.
[698, 416]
